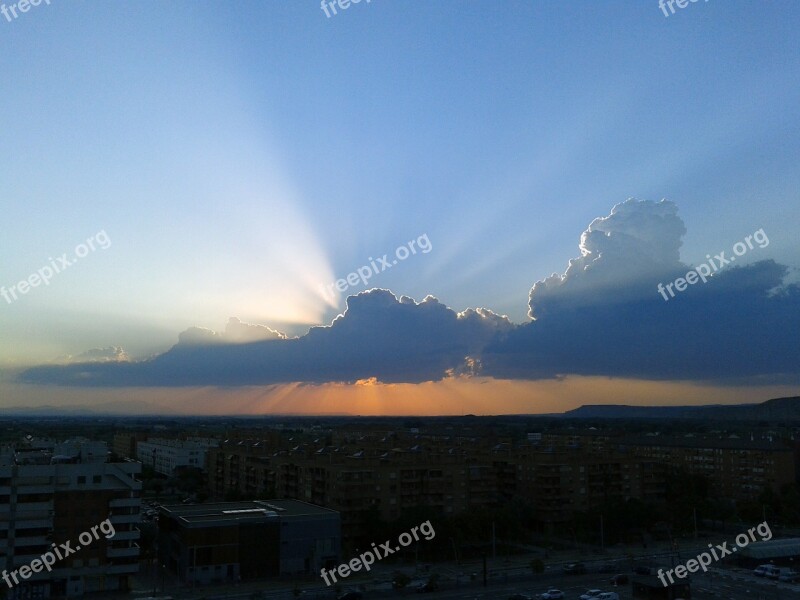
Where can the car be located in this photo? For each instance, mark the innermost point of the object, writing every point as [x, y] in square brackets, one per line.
[789, 576]
[575, 569]
[552, 594]
[424, 588]
[761, 570]
[590, 594]
[608, 596]
[772, 572]
[618, 579]
[607, 568]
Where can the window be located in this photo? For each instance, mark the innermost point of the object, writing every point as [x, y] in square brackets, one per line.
[81, 479]
[97, 478]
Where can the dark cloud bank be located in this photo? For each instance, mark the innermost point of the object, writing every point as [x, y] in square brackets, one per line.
[602, 317]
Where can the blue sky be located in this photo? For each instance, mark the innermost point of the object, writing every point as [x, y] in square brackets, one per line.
[239, 155]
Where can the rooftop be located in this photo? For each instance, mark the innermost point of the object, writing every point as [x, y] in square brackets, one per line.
[239, 511]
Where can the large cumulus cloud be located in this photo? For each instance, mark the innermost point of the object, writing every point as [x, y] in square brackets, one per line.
[621, 255]
[604, 316]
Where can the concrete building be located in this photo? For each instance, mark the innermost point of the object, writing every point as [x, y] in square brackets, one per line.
[782, 553]
[45, 504]
[359, 483]
[80, 450]
[737, 468]
[372, 472]
[124, 445]
[233, 541]
[166, 455]
[559, 483]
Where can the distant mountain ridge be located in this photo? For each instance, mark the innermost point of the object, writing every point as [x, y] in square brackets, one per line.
[777, 409]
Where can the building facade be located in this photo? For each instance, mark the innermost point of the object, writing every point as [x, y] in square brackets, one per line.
[166, 455]
[42, 505]
[237, 541]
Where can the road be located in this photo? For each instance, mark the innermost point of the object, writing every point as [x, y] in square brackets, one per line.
[717, 584]
[736, 584]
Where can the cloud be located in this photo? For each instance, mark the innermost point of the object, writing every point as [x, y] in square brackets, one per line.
[620, 255]
[603, 316]
[235, 332]
[378, 336]
[109, 354]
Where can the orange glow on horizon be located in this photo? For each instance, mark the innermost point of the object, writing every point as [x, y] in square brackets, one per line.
[368, 397]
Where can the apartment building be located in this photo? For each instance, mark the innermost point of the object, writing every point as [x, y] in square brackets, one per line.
[124, 444]
[242, 469]
[50, 499]
[237, 541]
[359, 482]
[737, 468]
[377, 473]
[166, 455]
[558, 483]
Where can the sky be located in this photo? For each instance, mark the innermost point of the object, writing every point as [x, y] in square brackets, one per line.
[509, 183]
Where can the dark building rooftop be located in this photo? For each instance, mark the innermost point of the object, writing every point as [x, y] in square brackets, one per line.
[221, 512]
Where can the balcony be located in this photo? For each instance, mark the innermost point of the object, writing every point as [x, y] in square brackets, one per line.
[133, 534]
[125, 502]
[33, 509]
[25, 559]
[22, 541]
[121, 552]
[118, 519]
[39, 488]
[121, 569]
[26, 522]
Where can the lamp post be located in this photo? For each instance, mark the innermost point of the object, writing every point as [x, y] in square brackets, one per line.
[456, 556]
[154, 564]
